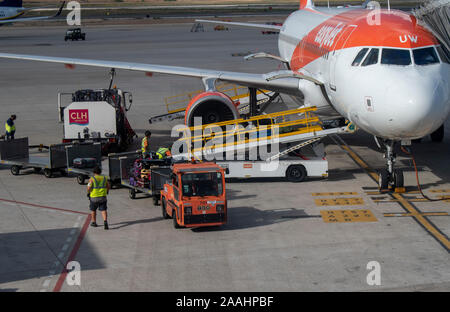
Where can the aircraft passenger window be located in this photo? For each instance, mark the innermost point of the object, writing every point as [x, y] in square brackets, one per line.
[444, 56]
[360, 57]
[372, 58]
[425, 56]
[395, 57]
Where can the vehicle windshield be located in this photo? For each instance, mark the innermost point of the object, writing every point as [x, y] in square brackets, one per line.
[395, 57]
[425, 56]
[202, 184]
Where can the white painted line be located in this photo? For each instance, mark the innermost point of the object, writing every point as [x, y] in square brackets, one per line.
[61, 255]
[69, 239]
[65, 247]
[73, 231]
[46, 283]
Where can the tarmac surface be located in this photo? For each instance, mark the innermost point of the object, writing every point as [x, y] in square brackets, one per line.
[275, 238]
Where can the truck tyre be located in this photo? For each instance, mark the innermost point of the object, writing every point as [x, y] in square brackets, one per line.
[80, 179]
[15, 170]
[132, 193]
[175, 222]
[48, 173]
[296, 173]
[163, 208]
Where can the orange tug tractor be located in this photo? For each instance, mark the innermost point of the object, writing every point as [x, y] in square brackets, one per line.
[195, 195]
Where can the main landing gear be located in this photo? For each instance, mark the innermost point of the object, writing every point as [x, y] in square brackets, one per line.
[390, 178]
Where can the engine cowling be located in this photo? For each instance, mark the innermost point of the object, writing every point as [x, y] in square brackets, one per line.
[212, 107]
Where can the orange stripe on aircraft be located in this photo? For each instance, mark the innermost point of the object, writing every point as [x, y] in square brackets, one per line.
[396, 30]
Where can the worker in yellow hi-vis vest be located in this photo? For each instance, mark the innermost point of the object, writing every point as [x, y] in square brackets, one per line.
[145, 144]
[97, 190]
[10, 127]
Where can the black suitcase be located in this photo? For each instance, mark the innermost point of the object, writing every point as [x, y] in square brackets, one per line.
[84, 162]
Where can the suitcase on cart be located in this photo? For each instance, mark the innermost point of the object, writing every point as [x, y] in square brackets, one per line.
[84, 162]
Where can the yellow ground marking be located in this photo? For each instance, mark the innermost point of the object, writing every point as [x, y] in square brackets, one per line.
[355, 215]
[334, 194]
[380, 193]
[439, 191]
[417, 215]
[405, 214]
[339, 201]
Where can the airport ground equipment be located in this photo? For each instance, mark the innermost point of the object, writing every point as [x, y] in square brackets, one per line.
[197, 27]
[97, 116]
[195, 195]
[19, 155]
[82, 158]
[281, 165]
[153, 174]
[293, 126]
[74, 34]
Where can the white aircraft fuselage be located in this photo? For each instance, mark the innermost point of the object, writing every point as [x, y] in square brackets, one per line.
[399, 86]
[7, 13]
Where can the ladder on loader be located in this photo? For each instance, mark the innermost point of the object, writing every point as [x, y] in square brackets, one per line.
[238, 135]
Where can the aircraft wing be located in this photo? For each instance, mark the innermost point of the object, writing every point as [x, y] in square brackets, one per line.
[37, 18]
[265, 26]
[284, 81]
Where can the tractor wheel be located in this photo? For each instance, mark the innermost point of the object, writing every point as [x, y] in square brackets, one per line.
[132, 193]
[174, 218]
[163, 209]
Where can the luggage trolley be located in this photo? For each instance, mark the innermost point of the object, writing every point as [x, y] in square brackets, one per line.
[121, 166]
[82, 158]
[19, 155]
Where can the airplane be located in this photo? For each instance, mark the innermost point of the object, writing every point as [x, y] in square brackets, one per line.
[391, 79]
[11, 10]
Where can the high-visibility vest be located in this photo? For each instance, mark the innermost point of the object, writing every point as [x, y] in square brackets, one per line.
[161, 153]
[9, 128]
[144, 145]
[98, 187]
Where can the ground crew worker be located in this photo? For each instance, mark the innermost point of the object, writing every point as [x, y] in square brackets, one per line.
[10, 128]
[145, 146]
[163, 152]
[97, 189]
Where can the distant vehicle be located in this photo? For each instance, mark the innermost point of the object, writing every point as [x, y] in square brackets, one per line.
[220, 27]
[74, 34]
[269, 32]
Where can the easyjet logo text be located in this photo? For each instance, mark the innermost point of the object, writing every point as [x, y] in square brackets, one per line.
[327, 35]
[79, 116]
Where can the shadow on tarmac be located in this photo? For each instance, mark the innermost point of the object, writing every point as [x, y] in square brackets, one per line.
[248, 217]
[31, 255]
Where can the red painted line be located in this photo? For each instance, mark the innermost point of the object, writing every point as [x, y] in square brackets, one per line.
[45, 207]
[73, 253]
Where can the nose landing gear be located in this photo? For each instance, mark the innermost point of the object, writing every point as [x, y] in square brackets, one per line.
[390, 178]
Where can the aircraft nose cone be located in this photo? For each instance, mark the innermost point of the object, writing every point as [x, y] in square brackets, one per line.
[418, 110]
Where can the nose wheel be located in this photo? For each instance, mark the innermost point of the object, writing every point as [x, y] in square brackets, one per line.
[390, 178]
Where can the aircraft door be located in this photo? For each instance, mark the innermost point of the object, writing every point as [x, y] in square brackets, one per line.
[339, 44]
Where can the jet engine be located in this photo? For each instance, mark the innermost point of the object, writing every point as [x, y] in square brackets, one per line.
[211, 107]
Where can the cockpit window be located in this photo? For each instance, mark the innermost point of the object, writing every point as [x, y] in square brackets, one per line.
[425, 56]
[372, 58]
[395, 57]
[360, 57]
[445, 57]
